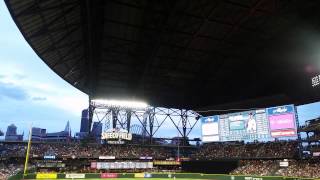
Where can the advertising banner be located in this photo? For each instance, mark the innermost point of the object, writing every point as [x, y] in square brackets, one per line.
[280, 110]
[145, 157]
[49, 157]
[150, 165]
[282, 133]
[210, 125]
[283, 121]
[284, 164]
[109, 175]
[147, 175]
[122, 165]
[93, 165]
[107, 157]
[139, 175]
[46, 176]
[210, 128]
[76, 176]
[316, 154]
[211, 138]
[166, 163]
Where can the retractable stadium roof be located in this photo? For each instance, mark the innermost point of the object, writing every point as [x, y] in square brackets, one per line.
[177, 53]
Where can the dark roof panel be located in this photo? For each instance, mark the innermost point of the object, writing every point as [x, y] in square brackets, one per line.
[183, 54]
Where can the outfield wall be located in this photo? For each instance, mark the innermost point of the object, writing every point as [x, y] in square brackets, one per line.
[152, 175]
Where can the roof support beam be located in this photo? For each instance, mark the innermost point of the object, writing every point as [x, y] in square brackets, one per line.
[92, 13]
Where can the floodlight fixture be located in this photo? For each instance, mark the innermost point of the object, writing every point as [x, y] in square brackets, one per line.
[121, 103]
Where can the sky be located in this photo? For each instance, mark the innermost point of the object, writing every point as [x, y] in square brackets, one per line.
[31, 93]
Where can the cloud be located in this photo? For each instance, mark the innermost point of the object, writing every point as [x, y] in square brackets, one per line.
[2, 76]
[39, 98]
[19, 76]
[11, 91]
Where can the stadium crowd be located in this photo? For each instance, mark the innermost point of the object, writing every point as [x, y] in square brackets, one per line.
[255, 167]
[86, 151]
[280, 149]
[251, 155]
[303, 168]
[7, 170]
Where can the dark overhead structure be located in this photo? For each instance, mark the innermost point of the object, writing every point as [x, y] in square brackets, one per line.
[184, 54]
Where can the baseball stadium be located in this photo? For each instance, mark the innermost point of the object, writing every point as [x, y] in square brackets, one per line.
[177, 89]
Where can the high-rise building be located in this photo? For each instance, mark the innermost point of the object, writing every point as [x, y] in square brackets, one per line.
[38, 134]
[11, 130]
[84, 127]
[97, 130]
[11, 134]
[62, 136]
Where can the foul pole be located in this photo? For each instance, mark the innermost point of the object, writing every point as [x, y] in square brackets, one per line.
[27, 155]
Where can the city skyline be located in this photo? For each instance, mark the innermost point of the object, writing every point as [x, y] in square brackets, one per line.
[304, 112]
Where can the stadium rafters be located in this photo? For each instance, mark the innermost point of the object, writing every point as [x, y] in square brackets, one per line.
[175, 53]
[150, 119]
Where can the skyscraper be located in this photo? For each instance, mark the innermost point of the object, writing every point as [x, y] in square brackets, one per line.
[84, 127]
[11, 134]
[38, 134]
[11, 130]
[67, 128]
[97, 129]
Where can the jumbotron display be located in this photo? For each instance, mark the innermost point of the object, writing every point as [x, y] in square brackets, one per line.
[256, 124]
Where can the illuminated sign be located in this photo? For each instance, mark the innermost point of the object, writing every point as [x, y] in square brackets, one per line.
[284, 164]
[252, 178]
[316, 154]
[166, 162]
[107, 157]
[122, 165]
[256, 124]
[108, 175]
[282, 121]
[46, 176]
[76, 176]
[210, 128]
[116, 135]
[115, 142]
[49, 157]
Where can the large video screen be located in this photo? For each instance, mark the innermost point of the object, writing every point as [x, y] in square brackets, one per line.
[257, 124]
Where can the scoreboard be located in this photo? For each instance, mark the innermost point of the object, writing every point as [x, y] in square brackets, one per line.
[256, 124]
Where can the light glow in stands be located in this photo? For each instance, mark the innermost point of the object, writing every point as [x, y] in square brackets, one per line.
[118, 103]
[315, 81]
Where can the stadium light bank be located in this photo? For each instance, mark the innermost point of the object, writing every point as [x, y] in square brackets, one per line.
[120, 103]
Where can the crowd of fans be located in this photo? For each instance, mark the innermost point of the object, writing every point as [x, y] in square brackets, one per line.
[301, 169]
[252, 155]
[296, 168]
[77, 150]
[255, 167]
[7, 170]
[281, 149]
